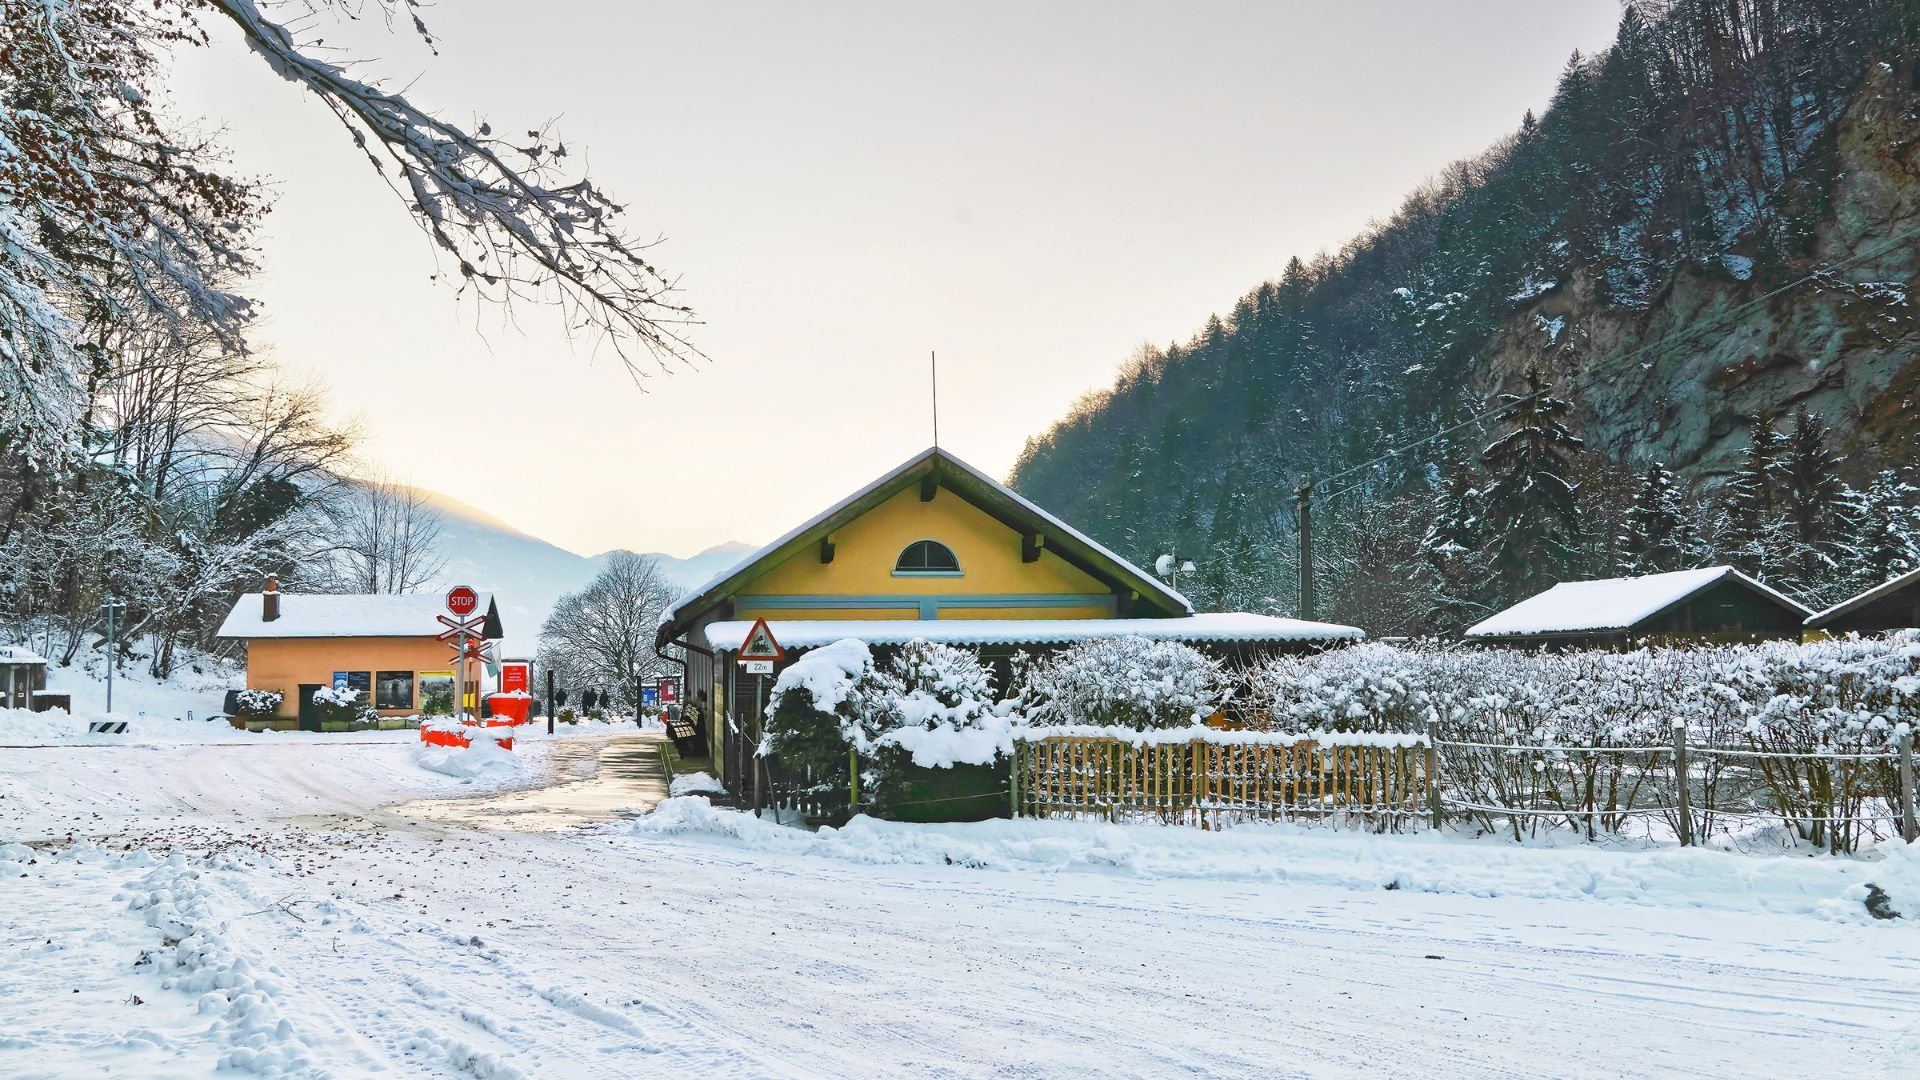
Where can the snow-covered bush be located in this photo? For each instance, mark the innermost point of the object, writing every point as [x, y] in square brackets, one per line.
[258, 704]
[947, 715]
[1128, 682]
[829, 701]
[1582, 737]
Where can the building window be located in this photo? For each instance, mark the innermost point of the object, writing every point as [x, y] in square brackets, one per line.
[927, 557]
[436, 693]
[393, 690]
[360, 682]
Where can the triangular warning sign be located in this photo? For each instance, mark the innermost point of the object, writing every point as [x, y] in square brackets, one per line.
[759, 644]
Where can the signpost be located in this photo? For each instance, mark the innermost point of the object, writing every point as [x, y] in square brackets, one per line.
[757, 654]
[462, 601]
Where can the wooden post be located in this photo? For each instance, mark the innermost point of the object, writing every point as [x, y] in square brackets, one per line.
[1682, 782]
[1433, 774]
[1909, 830]
[1013, 782]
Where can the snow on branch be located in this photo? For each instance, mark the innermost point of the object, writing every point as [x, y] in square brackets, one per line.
[504, 208]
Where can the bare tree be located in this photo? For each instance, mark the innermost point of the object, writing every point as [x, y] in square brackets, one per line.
[389, 538]
[602, 636]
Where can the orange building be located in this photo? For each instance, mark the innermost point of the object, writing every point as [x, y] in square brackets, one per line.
[382, 648]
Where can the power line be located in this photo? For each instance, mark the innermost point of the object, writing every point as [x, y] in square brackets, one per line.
[1665, 343]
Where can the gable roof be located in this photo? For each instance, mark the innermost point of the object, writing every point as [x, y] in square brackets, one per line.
[1878, 592]
[970, 484]
[332, 615]
[1613, 604]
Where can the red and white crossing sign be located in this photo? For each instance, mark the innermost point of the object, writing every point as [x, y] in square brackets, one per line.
[462, 600]
[455, 628]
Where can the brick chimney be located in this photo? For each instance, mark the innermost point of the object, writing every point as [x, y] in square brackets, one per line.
[270, 600]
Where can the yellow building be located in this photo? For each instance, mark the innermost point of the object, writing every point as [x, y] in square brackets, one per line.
[933, 550]
[382, 648]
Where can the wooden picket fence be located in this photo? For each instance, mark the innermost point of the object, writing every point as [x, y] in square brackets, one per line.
[1208, 783]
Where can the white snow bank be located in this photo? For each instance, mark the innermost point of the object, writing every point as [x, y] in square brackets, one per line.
[1218, 737]
[694, 783]
[1676, 877]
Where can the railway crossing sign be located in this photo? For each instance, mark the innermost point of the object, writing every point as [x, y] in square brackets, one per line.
[760, 645]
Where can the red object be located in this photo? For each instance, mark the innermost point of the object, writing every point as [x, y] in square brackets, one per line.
[514, 676]
[759, 644]
[462, 600]
[460, 738]
[669, 690]
[509, 708]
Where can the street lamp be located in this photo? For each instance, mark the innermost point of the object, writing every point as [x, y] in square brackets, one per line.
[1171, 566]
[114, 607]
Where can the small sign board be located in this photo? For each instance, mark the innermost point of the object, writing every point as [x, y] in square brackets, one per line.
[649, 697]
[758, 667]
[669, 689]
[515, 677]
[462, 600]
[759, 644]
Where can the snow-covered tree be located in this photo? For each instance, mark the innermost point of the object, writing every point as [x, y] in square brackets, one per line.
[1129, 682]
[1662, 533]
[1533, 521]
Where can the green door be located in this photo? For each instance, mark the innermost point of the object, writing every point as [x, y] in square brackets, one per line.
[309, 712]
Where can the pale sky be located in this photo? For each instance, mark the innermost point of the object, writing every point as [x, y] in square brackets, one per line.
[1033, 190]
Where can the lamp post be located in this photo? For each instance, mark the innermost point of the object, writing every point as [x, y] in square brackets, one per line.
[1171, 566]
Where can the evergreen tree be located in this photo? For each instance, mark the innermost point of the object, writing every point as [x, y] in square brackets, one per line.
[1532, 520]
[1884, 540]
[1814, 506]
[1661, 534]
[1452, 567]
[1752, 539]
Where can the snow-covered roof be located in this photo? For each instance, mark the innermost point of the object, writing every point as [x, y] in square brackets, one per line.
[305, 615]
[1883, 589]
[1610, 604]
[1233, 626]
[1140, 579]
[14, 654]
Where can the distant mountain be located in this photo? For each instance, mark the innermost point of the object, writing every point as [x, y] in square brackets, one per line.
[528, 574]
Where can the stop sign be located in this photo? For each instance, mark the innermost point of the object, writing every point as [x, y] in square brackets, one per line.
[462, 600]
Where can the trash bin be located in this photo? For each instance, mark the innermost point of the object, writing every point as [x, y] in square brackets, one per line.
[510, 708]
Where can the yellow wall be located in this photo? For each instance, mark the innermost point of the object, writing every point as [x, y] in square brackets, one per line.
[865, 550]
[283, 664]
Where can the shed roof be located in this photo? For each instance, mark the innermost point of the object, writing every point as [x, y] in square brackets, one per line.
[1225, 627]
[1613, 604]
[1849, 606]
[327, 615]
[970, 484]
[14, 654]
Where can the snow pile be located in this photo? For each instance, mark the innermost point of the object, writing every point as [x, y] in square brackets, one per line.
[1670, 877]
[694, 783]
[482, 758]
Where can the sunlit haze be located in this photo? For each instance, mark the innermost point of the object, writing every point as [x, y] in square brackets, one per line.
[1030, 191]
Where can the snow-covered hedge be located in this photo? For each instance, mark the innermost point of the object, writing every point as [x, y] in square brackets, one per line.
[1591, 727]
[1128, 682]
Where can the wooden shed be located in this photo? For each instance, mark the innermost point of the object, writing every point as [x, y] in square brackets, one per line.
[1713, 604]
[1893, 605]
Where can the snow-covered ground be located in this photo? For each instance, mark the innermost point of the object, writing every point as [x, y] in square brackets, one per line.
[251, 904]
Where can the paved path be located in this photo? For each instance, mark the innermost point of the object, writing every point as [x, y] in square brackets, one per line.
[600, 780]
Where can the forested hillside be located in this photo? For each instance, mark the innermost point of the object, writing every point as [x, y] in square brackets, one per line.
[1710, 232]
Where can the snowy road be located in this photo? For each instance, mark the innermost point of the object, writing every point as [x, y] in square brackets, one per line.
[439, 950]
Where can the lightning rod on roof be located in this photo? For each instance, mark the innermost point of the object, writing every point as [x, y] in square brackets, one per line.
[933, 369]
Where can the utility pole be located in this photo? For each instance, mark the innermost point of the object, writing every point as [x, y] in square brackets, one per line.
[113, 649]
[1304, 493]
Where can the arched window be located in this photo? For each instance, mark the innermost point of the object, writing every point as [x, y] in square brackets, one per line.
[927, 557]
